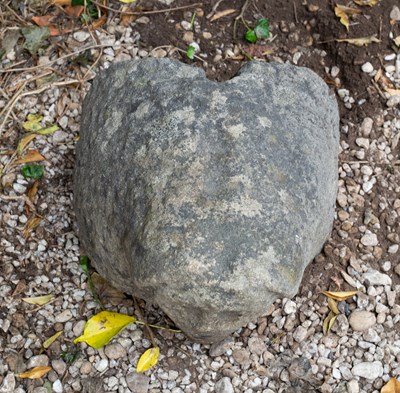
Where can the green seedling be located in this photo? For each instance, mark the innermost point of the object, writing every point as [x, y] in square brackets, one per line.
[192, 49]
[260, 32]
[32, 171]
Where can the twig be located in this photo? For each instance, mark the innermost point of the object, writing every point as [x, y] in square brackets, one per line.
[240, 17]
[295, 12]
[146, 326]
[55, 60]
[214, 9]
[146, 12]
[23, 198]
[28, 93]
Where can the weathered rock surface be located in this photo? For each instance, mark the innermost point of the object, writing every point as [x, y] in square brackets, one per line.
[208, 199]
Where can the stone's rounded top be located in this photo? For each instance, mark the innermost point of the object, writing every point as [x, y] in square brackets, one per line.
[209, 198]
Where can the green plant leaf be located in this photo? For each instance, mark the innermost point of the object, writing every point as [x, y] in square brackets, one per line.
[102, 327]
[262, 29]
[251, 36]
[34, 37]
[32, 171]
[84, 262]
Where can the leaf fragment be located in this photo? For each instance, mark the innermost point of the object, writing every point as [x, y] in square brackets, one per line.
[362, 41]
[339, 295]
[50, 340]
[222, 13]
[102, 327]
[32, 191]
[344, 13]
[192, 49]
[262, 29]
[34, 37]
[393, 386]
[25, 140]
[31, 224]
[127, 1]
[329, 322]
[397, 41]
[33, 122]
[370, 3]
[333, 306]
[30, 156]
[35, 373]
[148, 360]
[32, 171]
[38, 300]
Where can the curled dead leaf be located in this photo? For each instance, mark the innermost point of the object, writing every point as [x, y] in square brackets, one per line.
[35, 373]
[30, 225]
[393, 386]
[362, 41]
[333, 306]
[38, 300]
[29, 156]
[328, 323]
[223, 13]
[370, 3]
[344, 13]
[51, 340]
[339, 295]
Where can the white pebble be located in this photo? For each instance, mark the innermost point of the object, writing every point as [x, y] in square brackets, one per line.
[57, 386]
[367, 67]
[390, 57]
[101, 365]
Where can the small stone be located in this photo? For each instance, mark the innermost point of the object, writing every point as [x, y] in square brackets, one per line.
[60, 136]
[81, 36]
[8, 384]
[188, 37]
[241, 356]
[101, 365]
[57, 386]
[363, 142]
[138, 383]
[368, 370]
[300, 334]
[397, 269]
[393, 101]
[335, 71]
[224, 385]
[19, 188]
[290, 307]
[361, 320]
[38, 360]
[186, 25]
[256, 345]
[393, 249]
[207, 35]
[86, 368]
[115, 351]
[369, 239]
[353, 387]
[366, 126]
[341, 325]
[159, 53]
[220, 348]
[390, 57]
[143, 20]
[59, 366]
[395, 13]
[367, 67]
[373, 277]
[79, 328]
[65, 316]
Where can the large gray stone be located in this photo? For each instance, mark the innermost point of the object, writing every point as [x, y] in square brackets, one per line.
[208, 199]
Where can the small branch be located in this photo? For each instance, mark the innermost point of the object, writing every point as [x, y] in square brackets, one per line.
[146, 12]
[241, 18]
[146, 326]
[23, 198]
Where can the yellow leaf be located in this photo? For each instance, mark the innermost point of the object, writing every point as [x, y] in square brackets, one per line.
[393, 92]
[343, 13]
[30, 156]
[50, 340]
[148, 360]
[370, 3]
[328, 323]
[393, 386]
[127, 1]
[333, 306]
[48, 130]
[35, 373]
[362, 41]
[397, 41]
[25, 141]
[33, 123]
[38, 300]
[339, 295]
[102, 327]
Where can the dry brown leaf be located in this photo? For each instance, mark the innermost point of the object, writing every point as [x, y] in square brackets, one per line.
[30, 156]
[99, 22]
[50, 340]
[370, 3]
[32, 191]
[25, 141]
[328, 323]
[31, 224]
[35, 373]
[38, 300]
[393, 92]
[44, 20]
[105, 291]
[362, 41]
[393, 386]
[344, 13]
[223, 13]
[339, 295]
[74, 10]
[378, 75]
[61, 2]
[333, 306]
